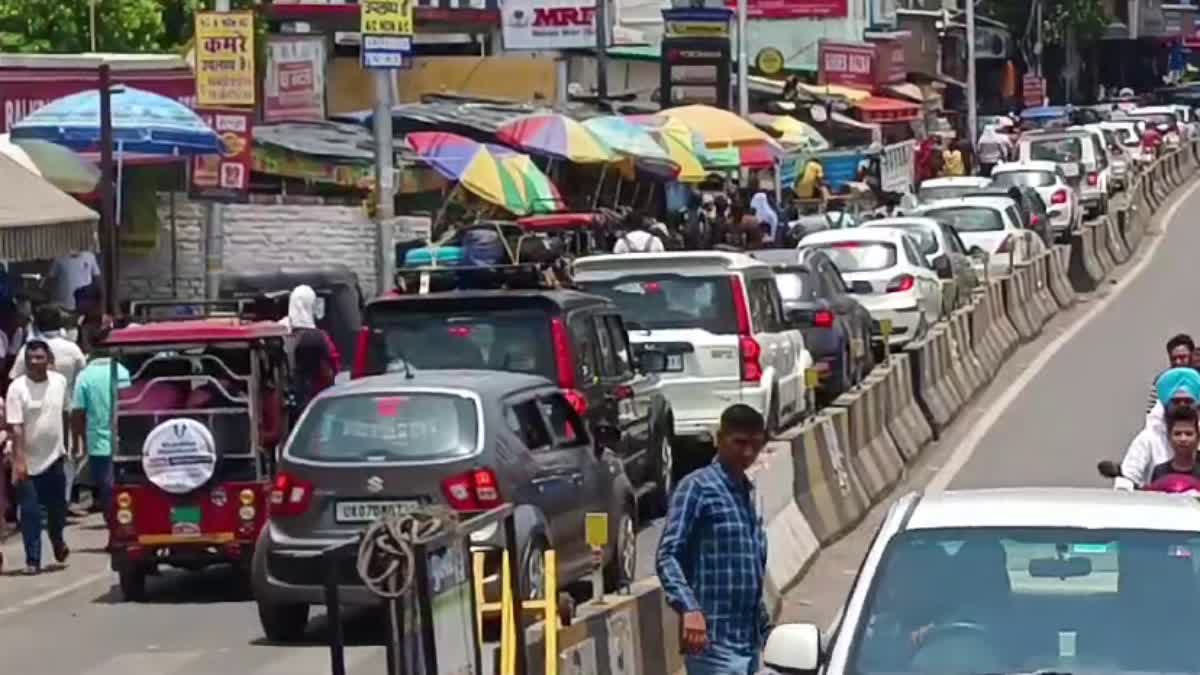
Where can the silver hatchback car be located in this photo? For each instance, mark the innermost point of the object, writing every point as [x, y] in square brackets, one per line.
[467, 440]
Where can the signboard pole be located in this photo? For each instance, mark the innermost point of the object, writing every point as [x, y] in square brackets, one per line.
[971, 90]
[602, 50]
[108, 235]
[214, 225]
[385, 173]
[743, 72]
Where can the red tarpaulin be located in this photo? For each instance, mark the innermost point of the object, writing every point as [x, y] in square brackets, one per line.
[23, 90]
[879, 109]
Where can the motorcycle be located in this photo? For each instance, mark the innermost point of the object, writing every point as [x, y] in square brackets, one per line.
[1172, 484]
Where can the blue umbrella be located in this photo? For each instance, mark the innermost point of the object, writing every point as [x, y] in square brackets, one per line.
[143, 122]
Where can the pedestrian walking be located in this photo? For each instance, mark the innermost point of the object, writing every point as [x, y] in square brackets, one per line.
[713, 554]
[34, 408]
[91, 417]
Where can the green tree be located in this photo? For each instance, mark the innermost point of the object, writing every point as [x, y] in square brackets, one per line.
[62, 26]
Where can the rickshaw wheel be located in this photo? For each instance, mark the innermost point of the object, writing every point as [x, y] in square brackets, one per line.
[132, 579]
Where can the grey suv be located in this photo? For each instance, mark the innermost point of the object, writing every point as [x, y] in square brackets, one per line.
[466, 439]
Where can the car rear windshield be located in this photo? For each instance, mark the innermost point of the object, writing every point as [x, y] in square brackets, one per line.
[1033, 179]
[933, 194]
[1056, 150]
[387, 428]
[516, 340]
[923, 234]
[1156, 118]
[793, 285]
[855, 256]
[970, 219]
[671, 301]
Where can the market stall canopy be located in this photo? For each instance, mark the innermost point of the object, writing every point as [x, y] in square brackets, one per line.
[834, 91]
[64, 169]
[555, 135]
[633, 142]
[539, 192]
[685, 147]
[719, 128]
[879, 109]
[37, 220]
[478, 169]
[791, 132]
[752, 156]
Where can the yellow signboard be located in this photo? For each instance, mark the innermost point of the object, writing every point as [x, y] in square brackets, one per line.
[387, 17]
[595, 529]
[224, 58]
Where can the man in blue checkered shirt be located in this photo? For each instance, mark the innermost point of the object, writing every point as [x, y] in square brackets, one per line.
[713, 554]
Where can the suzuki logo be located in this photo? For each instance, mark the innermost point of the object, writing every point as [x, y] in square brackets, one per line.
[374, 484]
[564, 16]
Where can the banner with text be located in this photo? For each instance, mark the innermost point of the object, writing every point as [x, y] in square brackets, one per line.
[224, 58]
[794, 9]
[549, 24]
[295, 82]
[226, 176]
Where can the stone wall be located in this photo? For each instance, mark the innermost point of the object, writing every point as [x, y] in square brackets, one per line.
[256, 235]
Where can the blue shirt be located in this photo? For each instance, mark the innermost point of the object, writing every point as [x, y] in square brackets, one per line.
[93, 395]
[713, 556]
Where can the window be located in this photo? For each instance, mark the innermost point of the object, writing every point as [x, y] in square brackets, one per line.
[970, 218]
[762, 305]
[855, 256]
[671, 301]
[913, 253]
[793, 285]
[387, 427]
[525, 420]
[1056, 149]
[566, 427]
[604, 348]
[953, 243]
[923, 234]
[620, 344]
[585, 346]
[1034, 179]
[494, 339]
[833, 280]
[1013, 216]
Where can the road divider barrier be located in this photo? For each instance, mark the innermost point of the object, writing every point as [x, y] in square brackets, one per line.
[820, 479]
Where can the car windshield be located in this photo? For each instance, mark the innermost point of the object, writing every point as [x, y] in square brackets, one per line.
[858, 256]
[970, 218]
[933, 194]
[1056, 150]
[1127, 136]
[671, 301]
[387, 427]
[1014, 600]
[1033, 179]
[498, 339]
[793, 285]
[1156, 118]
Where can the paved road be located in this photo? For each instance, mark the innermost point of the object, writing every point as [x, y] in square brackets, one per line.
[1082, 406]
[1085, 403]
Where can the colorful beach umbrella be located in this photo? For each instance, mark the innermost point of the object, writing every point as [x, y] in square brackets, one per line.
[557, 136]
[749, 156]
[539, 191]
[791, 132]
[471, 165]
[634, 143]
[719, 128]
[684, 146]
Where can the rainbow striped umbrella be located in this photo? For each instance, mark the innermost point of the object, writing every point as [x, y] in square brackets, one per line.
[633, 142]
[471, 165]
[684, 146]
[539, 192]
[555, 135]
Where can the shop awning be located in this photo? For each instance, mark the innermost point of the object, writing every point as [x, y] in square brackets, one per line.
[37, 220]
[880, 109]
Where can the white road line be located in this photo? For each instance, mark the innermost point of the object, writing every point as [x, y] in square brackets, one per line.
[962, 454]
[42, 599]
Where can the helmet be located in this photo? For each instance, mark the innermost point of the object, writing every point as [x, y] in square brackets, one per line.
[1175, 484]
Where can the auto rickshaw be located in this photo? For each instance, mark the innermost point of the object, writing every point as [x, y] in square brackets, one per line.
[195, 436]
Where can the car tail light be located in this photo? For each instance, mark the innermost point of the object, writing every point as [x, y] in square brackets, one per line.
[751, 351]
[475, 490]
[1006, 245]
[1034, 219]
[565, 365]
[904, 282]
[823, 319]
[290, 496]
[1059, 197]
[361, 358]
[845, 244]
[1093, 179]
[623, 392]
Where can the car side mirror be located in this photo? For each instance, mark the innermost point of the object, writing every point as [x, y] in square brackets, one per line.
[941, 265]
[652, 361]
[793, 649]
[1108, 469]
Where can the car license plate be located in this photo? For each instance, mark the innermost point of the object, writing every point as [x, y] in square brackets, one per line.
[674, 362]
[185, 515]
[370, 511]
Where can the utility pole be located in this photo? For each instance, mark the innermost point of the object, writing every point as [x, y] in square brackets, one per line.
[385, 180]
[1037, 45]
[971, 93]
[214, 225]
[108, 230]
[602, 49]
[743, 66]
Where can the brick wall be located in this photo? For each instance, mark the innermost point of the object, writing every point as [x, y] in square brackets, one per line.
[255, 235]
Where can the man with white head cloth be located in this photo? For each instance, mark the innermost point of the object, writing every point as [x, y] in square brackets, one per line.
[312, 353]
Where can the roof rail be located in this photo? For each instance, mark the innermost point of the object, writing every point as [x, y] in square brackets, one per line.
[148, 311]
[524, 276]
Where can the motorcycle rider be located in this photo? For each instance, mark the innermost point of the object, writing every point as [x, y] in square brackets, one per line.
[1151, 447]
[1180, 353]
[1183, 428]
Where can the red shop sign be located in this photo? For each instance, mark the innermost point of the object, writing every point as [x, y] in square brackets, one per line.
[226, 176]
[1033, 90]
[890, 66]
[794, 9]
[846, 63]
[23, 90]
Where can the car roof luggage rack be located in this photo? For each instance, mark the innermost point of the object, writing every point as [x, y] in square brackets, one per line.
[522, 276]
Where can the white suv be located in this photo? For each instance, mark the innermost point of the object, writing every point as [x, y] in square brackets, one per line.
[1073, 150]
[1062, 202]
[719, 318]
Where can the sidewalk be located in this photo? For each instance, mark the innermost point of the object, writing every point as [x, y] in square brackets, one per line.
[87, 565]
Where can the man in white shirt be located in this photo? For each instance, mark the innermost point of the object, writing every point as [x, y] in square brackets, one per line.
[68, 361]
[35, 406]
[639, 240]
[69, 273]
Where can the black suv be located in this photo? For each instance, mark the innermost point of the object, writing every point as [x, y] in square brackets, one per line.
[575, 340]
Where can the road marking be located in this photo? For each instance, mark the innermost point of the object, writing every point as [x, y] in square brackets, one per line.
[56, 593]
[966, 449]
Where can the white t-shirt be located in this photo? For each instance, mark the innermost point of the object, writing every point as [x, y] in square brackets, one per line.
[639, 241]
[39, 406]
[69, 360]
[70, 273]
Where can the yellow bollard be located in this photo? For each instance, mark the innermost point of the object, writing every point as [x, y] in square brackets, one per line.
[885, 329]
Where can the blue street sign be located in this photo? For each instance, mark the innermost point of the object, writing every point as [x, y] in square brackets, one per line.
[387, 51]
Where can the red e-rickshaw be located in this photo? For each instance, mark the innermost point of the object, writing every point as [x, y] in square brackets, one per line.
[194, 437]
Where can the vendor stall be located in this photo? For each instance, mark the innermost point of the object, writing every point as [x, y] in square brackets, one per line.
[37, 220]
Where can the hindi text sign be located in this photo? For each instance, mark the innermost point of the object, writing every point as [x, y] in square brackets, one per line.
[224, 58]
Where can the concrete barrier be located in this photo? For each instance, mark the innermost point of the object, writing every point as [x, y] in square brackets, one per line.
[1084, 270]
[873, 453]
[986, 340]
[1042, 301]
[968, 369]
[826, 487]
[1056, 272]
[1017, 303]
[1100, 246]
[905, 421]
[1116, 244]
[936, 393]
[1127, 222]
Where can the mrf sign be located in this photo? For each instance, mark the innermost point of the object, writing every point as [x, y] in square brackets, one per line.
[549, 24]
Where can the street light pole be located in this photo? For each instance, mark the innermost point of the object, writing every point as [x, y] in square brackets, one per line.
[214, 225]
[743, 67]
[385, 180]
[108, 230]
[971, 93]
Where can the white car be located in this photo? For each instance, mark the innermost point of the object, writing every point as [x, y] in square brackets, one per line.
[1062, 202]
[950, 187]
[886, 272]
[1118, 164]
[1130, 139]
[720, 320]
[1073, 150]
[991, 225]
[1022, 580]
